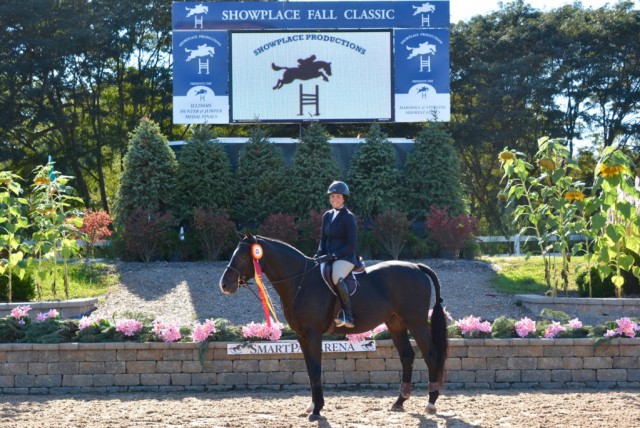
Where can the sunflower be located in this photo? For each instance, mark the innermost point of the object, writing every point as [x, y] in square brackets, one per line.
[506, 156]
[41, 180]
[610, 170]
[574, 196]
[547, 163]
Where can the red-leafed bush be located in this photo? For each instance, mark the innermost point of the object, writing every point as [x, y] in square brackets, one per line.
[146, 233]
[452, 233]
[95, 226]
[391, 230]
[280, 226]
[216, 231]
[310, 232]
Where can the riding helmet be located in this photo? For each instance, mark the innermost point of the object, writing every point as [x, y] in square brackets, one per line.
[339, 187]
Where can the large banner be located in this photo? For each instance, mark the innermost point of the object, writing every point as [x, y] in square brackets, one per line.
[325, 60]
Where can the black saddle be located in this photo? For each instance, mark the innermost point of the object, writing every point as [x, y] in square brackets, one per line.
[350, 280]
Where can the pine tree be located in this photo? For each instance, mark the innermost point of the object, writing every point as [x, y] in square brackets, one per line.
[313, 170]
[204, 178]
[260, 179]
[432, 175]
[374, 176]
[148, 179]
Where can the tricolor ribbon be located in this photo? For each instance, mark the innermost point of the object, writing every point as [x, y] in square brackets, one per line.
[256, 253]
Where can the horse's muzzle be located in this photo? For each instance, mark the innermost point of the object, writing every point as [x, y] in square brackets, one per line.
[229, 285]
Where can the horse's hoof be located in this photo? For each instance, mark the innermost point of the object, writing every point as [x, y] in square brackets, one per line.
[310, 408]
[397, 408]
[313, 417]
[431, 408]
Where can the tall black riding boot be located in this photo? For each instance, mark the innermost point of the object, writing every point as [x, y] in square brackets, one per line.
[345, 303]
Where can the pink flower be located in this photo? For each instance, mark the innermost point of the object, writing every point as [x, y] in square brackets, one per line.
[202, 331]
[358, 337]
[575, 323]
[263, 331]
[43, 316]
[626, 327]
[20, 312]
[167, 331]
[380, 329]
[128, 327]
[472, 324]
[553, 330]
[86, 322]
[525, 326]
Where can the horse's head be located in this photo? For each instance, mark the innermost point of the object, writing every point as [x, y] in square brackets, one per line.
[240, 267]
[327, 68]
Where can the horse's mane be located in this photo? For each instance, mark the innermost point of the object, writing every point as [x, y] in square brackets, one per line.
[288, 246]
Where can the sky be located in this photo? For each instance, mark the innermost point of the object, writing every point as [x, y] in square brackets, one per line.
[463, 10]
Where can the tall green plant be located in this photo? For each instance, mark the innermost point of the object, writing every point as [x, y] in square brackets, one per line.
[204, 178]
[546, 201]
[374, 176]
[57, 221]
[615, 217]
[12, 222]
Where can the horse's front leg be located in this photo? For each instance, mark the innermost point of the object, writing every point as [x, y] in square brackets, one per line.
[311, 347]
[324, 77]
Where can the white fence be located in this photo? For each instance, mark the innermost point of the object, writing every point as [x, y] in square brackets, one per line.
[517, 240]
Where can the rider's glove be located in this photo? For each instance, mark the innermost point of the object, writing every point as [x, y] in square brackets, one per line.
[325, 258]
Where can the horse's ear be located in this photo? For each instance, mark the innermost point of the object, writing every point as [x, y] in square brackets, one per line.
[247, 233]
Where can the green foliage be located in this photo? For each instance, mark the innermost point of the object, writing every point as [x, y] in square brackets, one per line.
[503, 327]
[23, 288]
[313, 170]
[204, 178]
[260, 180]
[373, 176]
[148, 179]
[11, 330]
[53, 330]
[432, 174]
[309, 229]
[391, 229]
[12, 222]
[226, 331]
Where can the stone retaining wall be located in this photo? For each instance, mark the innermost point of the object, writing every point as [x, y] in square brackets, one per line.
[74, 368]
[72, 308]
[594, 310]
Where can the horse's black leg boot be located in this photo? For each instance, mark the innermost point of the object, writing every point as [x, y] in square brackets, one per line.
[345, 304]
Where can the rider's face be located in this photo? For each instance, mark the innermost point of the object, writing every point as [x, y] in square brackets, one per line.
[336, 200]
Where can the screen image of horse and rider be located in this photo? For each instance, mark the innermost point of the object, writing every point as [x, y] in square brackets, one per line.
[352, 72]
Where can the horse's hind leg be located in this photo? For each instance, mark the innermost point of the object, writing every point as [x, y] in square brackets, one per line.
[424, 342]
[400, 339]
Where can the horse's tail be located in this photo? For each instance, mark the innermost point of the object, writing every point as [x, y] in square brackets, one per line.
[438, 325]
[277, 67]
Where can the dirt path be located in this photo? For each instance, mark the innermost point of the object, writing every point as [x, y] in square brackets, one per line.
[354, 409]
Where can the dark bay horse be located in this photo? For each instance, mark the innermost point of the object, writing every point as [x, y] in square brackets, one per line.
[310, 70]
[394, 292]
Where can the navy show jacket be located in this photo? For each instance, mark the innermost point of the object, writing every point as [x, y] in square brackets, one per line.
[339, 236]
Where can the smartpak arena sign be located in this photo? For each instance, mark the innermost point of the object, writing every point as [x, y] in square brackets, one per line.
[333, 61]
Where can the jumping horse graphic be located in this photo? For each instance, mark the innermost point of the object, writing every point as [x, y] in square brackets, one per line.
[307, 69]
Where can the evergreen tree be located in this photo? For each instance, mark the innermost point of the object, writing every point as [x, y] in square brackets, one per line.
[260, 179]
[148, 178]
[373, 175]
[313, 170]
[432, 174]
[204, 178]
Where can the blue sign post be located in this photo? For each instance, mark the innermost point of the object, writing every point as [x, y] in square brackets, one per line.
[325, 60]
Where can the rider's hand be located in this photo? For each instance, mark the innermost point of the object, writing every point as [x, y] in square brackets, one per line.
[325, 258]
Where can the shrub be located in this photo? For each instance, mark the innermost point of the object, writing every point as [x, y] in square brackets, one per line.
[215, 230]
[451, 232]
[391, 230]
[310, 232]
[280, 226]
[23, 289]
[503, 327]
[599, 287]
[95, 225]
[147, 234]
